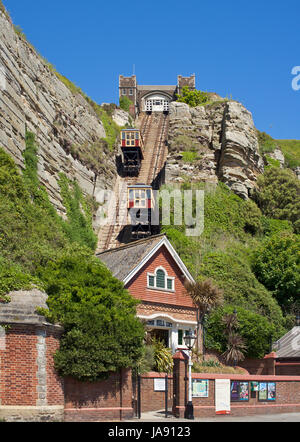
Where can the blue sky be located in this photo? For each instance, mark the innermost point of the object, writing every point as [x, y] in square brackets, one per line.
[236, 48]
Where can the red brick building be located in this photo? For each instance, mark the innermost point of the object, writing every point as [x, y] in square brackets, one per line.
[153, 272]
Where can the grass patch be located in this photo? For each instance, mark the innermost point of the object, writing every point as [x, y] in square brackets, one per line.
[266, 142]
[272, 162]
[291, 152]
[190, 156]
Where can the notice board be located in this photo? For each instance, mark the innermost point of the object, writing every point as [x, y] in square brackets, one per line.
[222, 396]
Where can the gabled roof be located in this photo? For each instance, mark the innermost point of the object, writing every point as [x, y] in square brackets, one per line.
[289, 345]
[125, 261]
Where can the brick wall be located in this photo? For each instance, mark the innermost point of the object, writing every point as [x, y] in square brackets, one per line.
[287, 393]
[18, 380]
[289, 367]
[97, 401]
[152, 400]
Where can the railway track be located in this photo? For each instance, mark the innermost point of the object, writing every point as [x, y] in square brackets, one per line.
[154, 129]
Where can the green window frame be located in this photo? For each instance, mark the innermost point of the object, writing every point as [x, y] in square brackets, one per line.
[151, 280]
[160, 279]
[169, 284]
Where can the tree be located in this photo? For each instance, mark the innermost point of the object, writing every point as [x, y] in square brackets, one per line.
[101, 331]
[278, 195]
[276, 264]
[205, 296]
[192, 97]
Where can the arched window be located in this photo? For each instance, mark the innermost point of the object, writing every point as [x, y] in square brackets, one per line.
[161, 280]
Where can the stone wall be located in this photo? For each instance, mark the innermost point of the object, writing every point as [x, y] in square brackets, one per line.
[33, 97]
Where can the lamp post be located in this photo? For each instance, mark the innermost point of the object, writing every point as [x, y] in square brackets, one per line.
[189, 340]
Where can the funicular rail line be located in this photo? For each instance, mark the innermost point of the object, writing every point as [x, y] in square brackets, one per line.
[154, 130]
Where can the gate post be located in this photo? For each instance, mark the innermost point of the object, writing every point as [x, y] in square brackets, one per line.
[179, 381]
[139, 396]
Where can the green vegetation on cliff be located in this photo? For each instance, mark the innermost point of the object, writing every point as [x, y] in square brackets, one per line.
[289, 148]
[38, 248]
[233, 251]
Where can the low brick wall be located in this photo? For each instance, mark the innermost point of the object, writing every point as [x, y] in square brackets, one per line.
[287, 393]
[152, 400]
[110, 399]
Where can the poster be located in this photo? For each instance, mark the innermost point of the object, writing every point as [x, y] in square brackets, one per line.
[239, 391]
[271, 391]
[254, 386]
[262, 392]
[222, 396]
[159, 384]
[244, 391]
[235, 395]
[200, 387]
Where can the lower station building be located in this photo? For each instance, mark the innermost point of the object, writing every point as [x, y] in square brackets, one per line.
[153, 272]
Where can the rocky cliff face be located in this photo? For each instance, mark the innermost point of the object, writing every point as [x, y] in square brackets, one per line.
[33, 97]
[214, 142]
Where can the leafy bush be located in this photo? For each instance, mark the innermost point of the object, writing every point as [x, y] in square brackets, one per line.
[162, 357]
[276, 263]
[29, 233]
[255, 329]
[278, 195]
[101, 330]
[192, 97]
[78, 227]
[233, 228]
[125, 103]
[12, 277]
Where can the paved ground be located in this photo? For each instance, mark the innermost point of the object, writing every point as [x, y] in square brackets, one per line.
[159, 416]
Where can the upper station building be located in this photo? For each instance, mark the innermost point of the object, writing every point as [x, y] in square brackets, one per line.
[155, 98]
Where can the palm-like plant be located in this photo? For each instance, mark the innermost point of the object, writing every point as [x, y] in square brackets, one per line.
[235, 349]
[231, 322]
[162, 357]
[205, 296]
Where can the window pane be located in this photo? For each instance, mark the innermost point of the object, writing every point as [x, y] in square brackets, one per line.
[180, 335]
[151, 281]
[160, 279]
[170, 284]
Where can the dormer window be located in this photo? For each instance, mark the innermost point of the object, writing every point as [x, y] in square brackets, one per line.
[160, 280]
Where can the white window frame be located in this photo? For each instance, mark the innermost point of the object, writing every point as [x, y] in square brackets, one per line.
[165, 289]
